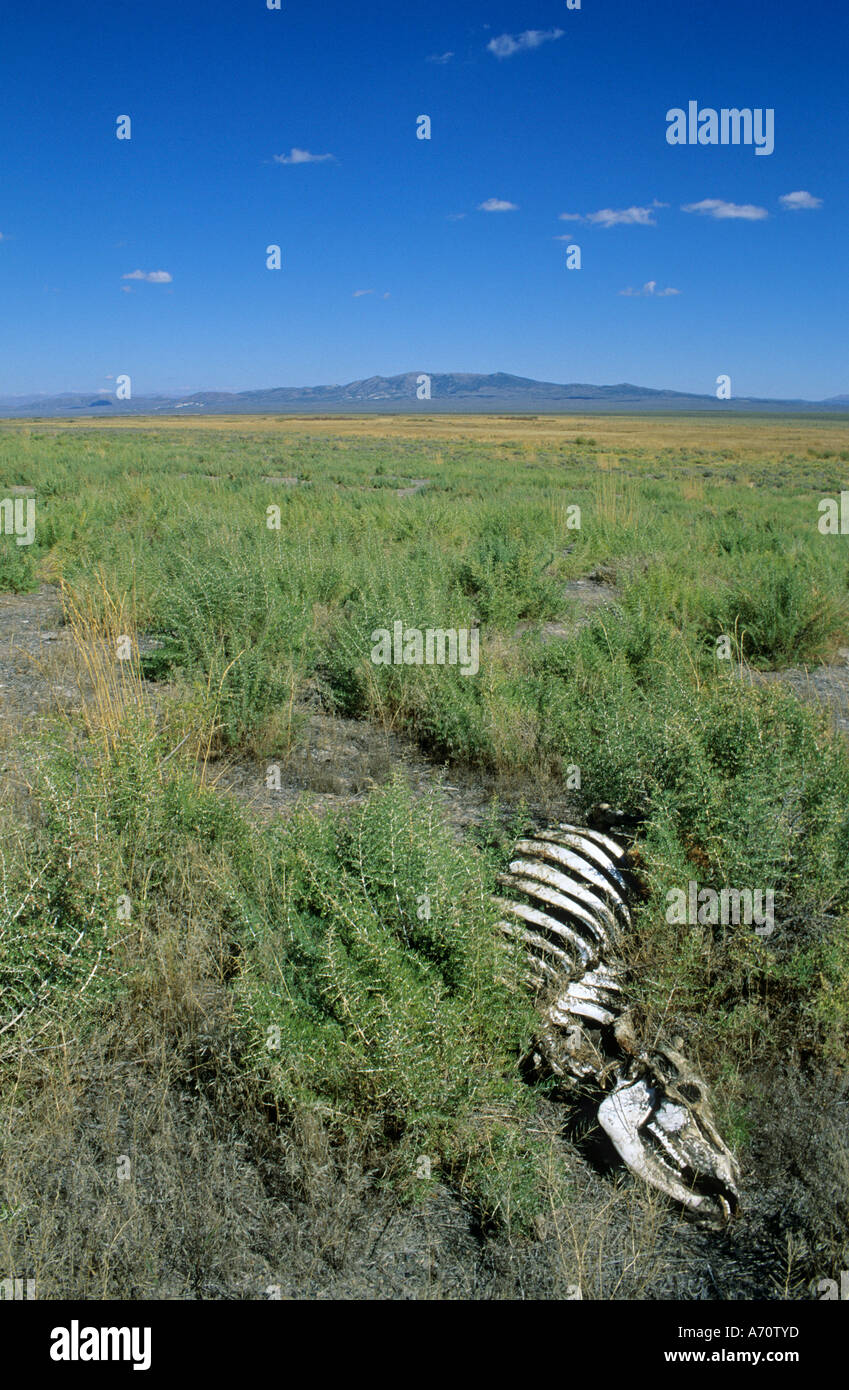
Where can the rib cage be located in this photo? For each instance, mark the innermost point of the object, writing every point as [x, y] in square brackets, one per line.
[572, 922]
[566, 904]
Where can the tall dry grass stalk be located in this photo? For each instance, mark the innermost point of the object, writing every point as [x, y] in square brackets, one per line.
[615, 504]
[103, 628]
[116, 703]
[693, 488]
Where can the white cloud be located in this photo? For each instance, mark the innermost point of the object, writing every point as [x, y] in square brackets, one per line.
[358, 294]
[796, 201]
[440, 57]
[497, 205]
[301, 157]
[153, 277]
[508, 44]
[625, 217]
[616, 217]
[650, 291]
[718, 208]
[456, 216]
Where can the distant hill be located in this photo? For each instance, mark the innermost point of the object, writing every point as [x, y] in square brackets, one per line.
[451, 392]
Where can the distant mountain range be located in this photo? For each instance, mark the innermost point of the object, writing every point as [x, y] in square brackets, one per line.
[450, 392]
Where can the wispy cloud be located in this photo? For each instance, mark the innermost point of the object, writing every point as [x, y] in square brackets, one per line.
[650, 291]
[153, 277]
[440, 57]
[302, 157]
[625, 217]
[617, 217]
[797, 201]
[358, 294]
[508, 44]
[497, 205]
[456, 216]
[722, 211]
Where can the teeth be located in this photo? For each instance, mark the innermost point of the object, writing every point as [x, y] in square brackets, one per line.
[662, 1139]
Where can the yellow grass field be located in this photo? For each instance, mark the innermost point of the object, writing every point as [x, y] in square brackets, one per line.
[746, 435]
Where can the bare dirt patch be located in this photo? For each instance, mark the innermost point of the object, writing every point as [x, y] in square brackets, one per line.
[415, 486]
[824, 685]
[586, 596]
[35, 659]
[337, 762]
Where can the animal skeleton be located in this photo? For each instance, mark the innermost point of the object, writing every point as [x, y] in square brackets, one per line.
[568, 909]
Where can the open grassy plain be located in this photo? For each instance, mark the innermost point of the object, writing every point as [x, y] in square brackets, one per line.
[256, 1030]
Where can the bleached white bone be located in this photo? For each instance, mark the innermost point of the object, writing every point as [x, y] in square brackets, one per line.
[589, 873]
[657, 1115]
[621, 1115]
[541, 893]
[616, 851]
[596, 913]
[590, 851]
[540, 943]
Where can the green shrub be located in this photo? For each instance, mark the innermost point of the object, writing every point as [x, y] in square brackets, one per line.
[17, 567]
[781, 611]
[375, 992]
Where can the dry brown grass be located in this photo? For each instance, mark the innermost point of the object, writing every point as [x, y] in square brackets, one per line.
[744, 435]
[105, 643]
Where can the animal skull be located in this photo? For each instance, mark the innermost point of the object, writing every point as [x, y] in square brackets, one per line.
[662, 1126]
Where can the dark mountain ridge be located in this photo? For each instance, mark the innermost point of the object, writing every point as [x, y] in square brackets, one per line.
[458, 392]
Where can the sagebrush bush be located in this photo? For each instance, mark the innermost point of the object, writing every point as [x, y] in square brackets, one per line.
[375, 992]
[782, 610]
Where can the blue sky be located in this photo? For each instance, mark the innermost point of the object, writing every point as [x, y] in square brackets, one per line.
[390, 261]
